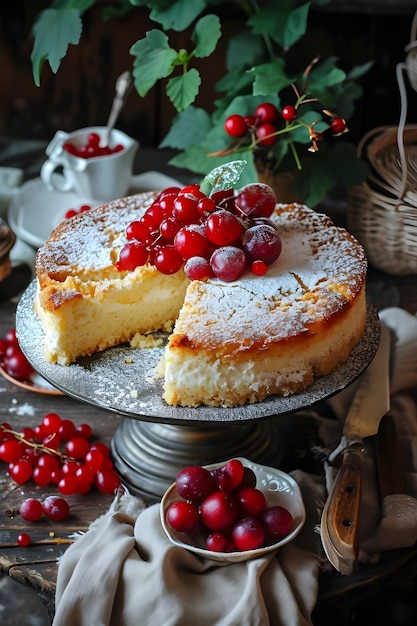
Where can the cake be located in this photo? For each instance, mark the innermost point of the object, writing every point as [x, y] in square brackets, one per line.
[233, 342]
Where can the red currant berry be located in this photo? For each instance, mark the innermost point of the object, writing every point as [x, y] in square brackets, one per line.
[289, 113]
[68, 485]
[107, 481]
[235, 125]
[338, 125]
[77, 447]
[223, 228]
[84, 430]
[191, 241]
[266, 113]
[185, 209]
[85, 478]
[21, 471]
[266, 134]
[198, 268]
[23, 540]
[42, 475]
[132, 255]
[169, 228]
[101, 447]
[259, 268]
[66, 430]
[11, 451]
[206, 205]
[51, 423]
[168, 260]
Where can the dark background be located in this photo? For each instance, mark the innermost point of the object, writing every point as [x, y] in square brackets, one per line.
[356, 31]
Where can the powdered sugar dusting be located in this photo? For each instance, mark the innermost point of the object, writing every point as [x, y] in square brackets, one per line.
[320, 270]
[84, 243]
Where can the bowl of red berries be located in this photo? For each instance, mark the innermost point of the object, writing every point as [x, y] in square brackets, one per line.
[232, 511]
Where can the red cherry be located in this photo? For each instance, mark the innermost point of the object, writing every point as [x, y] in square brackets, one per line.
[248, 534]
[183, 516]
[277, 521]
[219, 510]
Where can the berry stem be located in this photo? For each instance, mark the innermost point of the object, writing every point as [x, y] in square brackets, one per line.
[33, 444]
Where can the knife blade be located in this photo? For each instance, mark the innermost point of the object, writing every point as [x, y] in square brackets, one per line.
[339, 527]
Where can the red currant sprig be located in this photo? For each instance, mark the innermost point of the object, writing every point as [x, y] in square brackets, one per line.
[58, 452]
[203, 234]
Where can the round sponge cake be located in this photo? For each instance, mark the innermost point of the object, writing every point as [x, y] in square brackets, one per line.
[232, 342]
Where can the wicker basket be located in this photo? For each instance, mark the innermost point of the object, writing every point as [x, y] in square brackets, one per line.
[382, 211]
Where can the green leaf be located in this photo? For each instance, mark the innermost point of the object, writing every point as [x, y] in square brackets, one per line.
[280, 22]
[190, 126]
[183, 90]
[223, 177]
[234, 81]
[359, 71]
[244, 51]
[53, 32]
[331, 166]
[81, 5]
[154, 59]
[176, 15]
[206, 34]
[270, 78]
[325, 74]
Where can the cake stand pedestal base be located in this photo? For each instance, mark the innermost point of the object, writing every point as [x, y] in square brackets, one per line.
[149, 455]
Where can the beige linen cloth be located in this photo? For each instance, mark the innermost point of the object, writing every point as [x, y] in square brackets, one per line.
[125, 572]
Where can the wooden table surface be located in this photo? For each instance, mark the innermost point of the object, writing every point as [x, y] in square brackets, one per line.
[36, 565]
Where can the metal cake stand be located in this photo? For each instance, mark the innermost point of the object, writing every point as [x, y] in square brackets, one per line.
[154, 441]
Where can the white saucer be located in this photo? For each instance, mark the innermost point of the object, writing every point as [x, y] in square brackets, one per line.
[34, 211]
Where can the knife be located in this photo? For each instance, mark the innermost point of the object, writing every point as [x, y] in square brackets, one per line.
[339, 528]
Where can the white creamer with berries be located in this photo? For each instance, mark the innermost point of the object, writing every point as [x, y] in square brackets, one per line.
[262, 297]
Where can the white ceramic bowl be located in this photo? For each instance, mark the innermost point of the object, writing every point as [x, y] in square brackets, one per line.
[279, 489]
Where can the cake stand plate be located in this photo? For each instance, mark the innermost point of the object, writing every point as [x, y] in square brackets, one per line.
[156, 440]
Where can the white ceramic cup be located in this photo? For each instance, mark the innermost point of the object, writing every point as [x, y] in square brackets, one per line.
[100, 178]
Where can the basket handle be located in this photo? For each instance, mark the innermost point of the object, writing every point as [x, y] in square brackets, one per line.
[410, 67]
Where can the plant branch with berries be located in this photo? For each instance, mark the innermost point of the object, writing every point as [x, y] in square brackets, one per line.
[264, 64]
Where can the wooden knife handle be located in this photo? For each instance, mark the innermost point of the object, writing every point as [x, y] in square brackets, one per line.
[339, 527]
